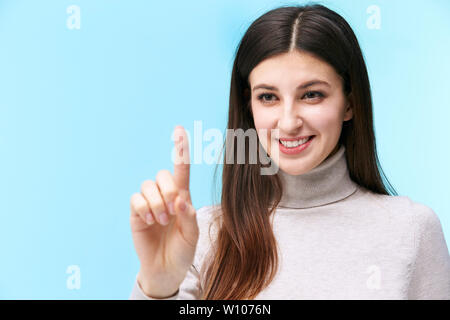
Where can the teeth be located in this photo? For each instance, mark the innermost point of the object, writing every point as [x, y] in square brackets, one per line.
[293, 144]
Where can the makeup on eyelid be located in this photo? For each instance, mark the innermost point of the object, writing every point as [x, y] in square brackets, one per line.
[318, 94]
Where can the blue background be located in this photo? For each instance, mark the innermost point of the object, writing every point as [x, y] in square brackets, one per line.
[87, 114]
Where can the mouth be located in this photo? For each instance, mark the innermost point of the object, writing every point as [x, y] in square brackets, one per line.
[294, 143]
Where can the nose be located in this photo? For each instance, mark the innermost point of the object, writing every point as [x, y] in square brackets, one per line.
[290, 120]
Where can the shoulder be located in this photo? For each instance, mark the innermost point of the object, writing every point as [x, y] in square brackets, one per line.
[427, 225]
[397, 204]
[420, 216]
[414, 229]
[420, 212]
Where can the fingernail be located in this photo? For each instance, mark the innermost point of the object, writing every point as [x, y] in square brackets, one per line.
[149, 218]
[164, 218]
[171, 210]
[182, 205]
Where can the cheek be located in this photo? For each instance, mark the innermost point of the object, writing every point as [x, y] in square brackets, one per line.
[263, 119]
[327, 120]
[264, 123]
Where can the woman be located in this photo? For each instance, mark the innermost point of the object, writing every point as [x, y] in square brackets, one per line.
[324, 226]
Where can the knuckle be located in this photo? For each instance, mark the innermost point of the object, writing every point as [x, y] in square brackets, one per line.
[162, 174]
[157, 207]
[134, 198]
[137, 205]
[147, 185]
[170, 195]
[141, 210]
[167, 184]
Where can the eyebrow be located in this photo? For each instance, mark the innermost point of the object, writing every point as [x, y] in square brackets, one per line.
[302, 86]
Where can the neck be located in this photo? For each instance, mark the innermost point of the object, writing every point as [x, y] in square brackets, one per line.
[327, 183]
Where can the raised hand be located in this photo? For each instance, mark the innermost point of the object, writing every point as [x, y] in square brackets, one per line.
[164, 225]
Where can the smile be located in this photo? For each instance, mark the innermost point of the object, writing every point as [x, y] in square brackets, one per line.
[295, 146]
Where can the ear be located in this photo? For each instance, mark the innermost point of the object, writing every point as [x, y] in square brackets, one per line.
[348, 109]
[348, 113]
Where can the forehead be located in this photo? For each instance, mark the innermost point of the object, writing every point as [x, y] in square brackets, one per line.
[293, 67]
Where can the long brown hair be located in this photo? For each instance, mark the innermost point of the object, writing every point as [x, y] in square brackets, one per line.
[245, 256]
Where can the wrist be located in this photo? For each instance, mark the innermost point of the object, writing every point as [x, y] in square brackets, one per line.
[153, 291]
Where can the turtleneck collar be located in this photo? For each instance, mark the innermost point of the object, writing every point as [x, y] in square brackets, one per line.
[328, 182]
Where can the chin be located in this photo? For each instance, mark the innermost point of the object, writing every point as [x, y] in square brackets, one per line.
[294, 170]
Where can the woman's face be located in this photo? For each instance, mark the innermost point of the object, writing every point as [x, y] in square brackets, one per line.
[306, 99]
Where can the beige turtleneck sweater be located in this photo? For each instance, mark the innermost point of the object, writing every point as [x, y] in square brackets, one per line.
[338, 240]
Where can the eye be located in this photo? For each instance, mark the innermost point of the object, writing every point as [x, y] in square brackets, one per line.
[261, 97]
[313, 95]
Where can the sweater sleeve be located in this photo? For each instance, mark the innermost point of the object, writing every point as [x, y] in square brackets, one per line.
[189, 288]
[430, 277]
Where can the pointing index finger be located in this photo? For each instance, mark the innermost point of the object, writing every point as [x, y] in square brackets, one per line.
[182, 159]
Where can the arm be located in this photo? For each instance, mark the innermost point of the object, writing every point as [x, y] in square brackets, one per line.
[430, 275]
